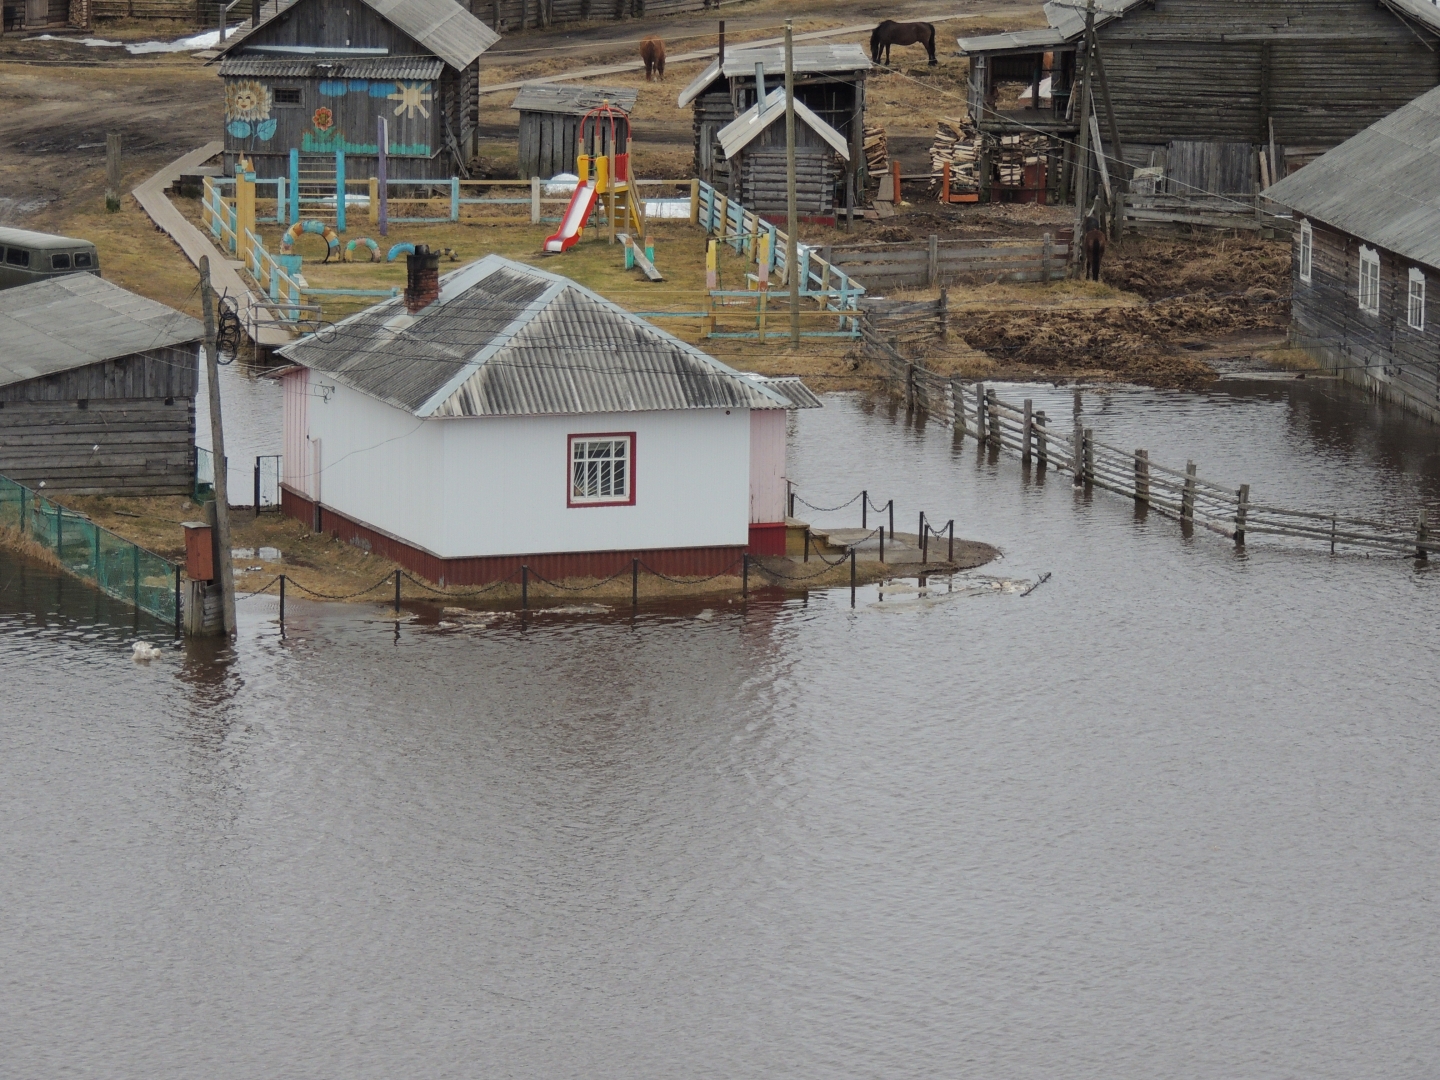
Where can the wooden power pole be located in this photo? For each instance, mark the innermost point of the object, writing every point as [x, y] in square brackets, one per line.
[112, 173]
[225, 566]
[792, 244]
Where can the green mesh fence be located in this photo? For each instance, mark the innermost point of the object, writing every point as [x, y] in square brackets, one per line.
[113, 564]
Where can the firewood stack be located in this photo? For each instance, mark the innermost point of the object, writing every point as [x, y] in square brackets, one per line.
[1014, 153]
[957, 142]
[877, 151]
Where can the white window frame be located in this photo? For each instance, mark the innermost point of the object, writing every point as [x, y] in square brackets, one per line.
[1369, 292]
[1307, 252]
[1415, 307]
[599, 486]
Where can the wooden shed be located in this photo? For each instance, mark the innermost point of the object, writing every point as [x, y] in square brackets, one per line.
[829, 81]
[97, 389]
[1198, 86]
[316, 76]
[754, 147]
[1367, 256]
[550, 124]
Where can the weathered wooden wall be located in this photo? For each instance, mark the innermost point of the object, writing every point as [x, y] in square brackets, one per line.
[1222, 70]
[1381, 353]
[549, 142]
[125, 426]
[762, 172]
[711, 111]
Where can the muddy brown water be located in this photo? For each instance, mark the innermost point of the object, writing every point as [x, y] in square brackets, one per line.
[1172, 814]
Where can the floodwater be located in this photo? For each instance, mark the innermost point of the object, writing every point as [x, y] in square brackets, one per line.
[252, 409]
[1172, 814]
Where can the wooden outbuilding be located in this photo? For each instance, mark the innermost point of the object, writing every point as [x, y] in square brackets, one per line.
[504, 417]
[97, 389]
[317, 76]
[755, 150]
[1367, 256]
[1199, 86]
[550, 116]
[829, 81]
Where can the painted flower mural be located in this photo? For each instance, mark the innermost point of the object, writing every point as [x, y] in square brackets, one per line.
[323, 119]
[247, 109]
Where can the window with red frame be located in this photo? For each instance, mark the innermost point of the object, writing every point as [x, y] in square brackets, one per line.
[602, 469]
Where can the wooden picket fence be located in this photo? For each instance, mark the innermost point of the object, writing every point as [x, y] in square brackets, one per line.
[1183, 494]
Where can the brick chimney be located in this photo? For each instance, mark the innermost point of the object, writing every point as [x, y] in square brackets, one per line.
[422, 279]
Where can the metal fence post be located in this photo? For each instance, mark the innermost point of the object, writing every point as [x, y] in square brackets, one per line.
[890, 506]
[177, 596]
[534, 200]
[864, 507]
[882, 545]
[257, 487]
[282, 605]
[950, 555]
[852, 576]
[455, 198]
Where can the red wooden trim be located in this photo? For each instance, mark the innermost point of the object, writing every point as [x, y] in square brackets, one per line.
[481, 570]
[570, 470]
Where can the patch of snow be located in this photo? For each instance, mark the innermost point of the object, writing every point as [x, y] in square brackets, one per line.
[139, 48]
[561, 184]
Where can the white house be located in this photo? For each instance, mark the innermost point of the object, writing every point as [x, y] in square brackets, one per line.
[503, 415]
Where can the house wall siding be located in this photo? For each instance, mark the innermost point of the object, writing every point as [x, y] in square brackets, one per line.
[1381, 353]
[767, 465]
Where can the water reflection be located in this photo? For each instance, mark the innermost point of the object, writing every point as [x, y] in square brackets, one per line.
[1170, 813]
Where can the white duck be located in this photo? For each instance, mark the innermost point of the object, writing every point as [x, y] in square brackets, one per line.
[144, 652]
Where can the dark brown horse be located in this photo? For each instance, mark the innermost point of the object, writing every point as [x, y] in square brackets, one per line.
[890, 33]
[652, 51]
[1094, 247]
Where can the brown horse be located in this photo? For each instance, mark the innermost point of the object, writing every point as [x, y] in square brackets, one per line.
[890, 33]
[1094, 247]
[652, 51]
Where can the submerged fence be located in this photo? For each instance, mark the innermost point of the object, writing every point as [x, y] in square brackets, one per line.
[111, 563]
[1229, 510]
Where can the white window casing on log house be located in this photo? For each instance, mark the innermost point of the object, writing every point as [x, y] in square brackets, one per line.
[1307, 251]
[1415, 315]
[1369, 295]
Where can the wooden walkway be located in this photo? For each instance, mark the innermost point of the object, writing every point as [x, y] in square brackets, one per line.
[225, 273]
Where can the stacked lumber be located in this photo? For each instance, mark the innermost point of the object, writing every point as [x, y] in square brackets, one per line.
[957, 142]
[877, 151]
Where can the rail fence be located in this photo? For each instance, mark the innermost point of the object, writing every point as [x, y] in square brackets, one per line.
[1229, 510]
[1161, 212]
[901, 265]
[115, 566]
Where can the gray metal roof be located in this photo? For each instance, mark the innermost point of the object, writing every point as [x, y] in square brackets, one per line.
[792, 387]
[442, 26]
[1067, 22]
[506, 339]
[365, 67]
[572, 99]
[1382, 185]
[806, 59]
[737, 134]
[76, 320]
[1015, 40]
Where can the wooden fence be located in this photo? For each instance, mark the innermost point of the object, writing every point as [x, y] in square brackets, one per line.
[1163, 213]
[879, 266]
[1226, 509]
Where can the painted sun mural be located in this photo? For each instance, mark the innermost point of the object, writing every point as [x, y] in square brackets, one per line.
[413, 97]
[247, 110]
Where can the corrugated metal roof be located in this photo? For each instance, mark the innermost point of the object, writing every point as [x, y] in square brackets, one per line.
[795, 391]
[1020, 39]
[505, 339]
[806, 59]
[1067, 22]
[79, 319]
[575, 100]
[442, 26]
[366, 67]
[737, 134]
[1382, 185]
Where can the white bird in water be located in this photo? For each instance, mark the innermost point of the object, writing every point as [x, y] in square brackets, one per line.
[144, 652]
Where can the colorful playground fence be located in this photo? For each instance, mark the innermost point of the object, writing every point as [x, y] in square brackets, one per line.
[111, 563]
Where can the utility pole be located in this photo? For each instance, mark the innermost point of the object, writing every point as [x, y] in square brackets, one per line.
[225, 565]
[792, 244]
[1082, 154]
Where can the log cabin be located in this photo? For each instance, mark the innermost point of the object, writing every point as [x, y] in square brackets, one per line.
[316, 76]
[550, 115]
[1366, 257]
[1198, 86]
[97, 389]
[829, 81]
